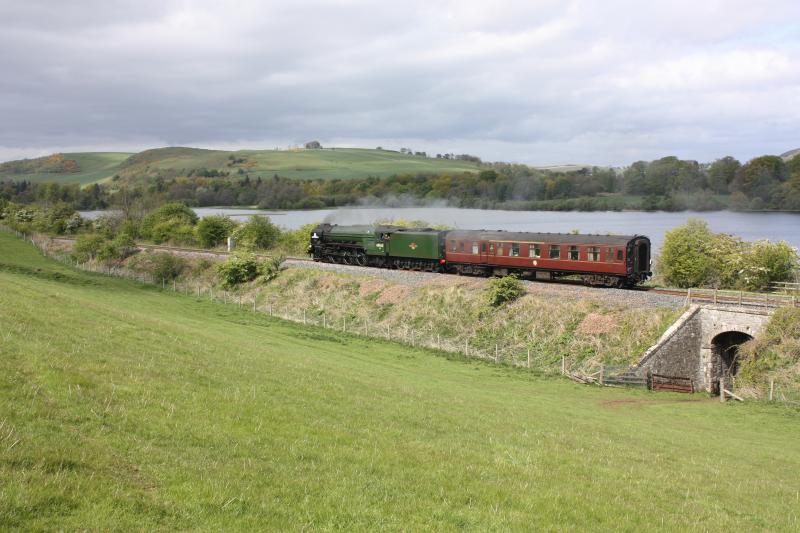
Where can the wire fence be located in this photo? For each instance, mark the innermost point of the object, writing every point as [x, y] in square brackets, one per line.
[782, 392]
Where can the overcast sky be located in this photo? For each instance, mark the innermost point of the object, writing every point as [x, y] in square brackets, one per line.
[540, 82]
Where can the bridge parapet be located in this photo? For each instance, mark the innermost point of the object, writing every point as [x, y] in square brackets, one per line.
[701, 344]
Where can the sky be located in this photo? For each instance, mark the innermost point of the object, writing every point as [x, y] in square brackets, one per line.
[537, 82]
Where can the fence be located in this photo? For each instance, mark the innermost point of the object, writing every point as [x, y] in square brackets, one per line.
[615, 375]
[742, 298]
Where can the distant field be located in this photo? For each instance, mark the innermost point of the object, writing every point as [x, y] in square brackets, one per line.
[94, 166]
[124, 408]
[341, 163]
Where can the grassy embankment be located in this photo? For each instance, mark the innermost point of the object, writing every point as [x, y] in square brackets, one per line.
[125, 408]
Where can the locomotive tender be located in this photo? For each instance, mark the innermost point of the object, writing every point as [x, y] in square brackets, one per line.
[599, 260]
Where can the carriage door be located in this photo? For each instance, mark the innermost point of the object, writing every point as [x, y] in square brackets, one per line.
[483, 251]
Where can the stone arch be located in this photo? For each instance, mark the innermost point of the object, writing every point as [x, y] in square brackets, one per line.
[725, 352]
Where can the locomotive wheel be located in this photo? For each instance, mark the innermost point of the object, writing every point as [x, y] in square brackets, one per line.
[346, 260]
[360, 259]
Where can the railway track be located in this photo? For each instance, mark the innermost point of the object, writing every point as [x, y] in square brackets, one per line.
[712, 296]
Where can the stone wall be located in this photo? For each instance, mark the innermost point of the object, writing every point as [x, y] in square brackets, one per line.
[677, 351]
[687, 348]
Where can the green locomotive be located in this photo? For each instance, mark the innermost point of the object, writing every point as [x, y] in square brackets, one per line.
[379, 246]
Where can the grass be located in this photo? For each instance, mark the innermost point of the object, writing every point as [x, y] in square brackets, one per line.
[339, 163]
[94, 167]
[122, 407]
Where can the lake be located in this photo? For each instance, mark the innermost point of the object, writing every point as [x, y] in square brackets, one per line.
[749, 226]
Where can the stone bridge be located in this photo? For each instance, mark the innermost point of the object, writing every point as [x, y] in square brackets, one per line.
[702, 345]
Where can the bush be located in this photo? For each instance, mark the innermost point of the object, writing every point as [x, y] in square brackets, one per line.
[167, 266]
[213, 230]
[87, 246]
[503, 290]
[296, 241]
[258, 233]
[693, 256]
[245, 267]
[685, 259]
[118, 249]
[159, 223]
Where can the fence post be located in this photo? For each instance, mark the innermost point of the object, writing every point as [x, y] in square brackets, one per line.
[529, 358]
[721, 391]
[412, 338]
[715, 296]
[495, 354]
[344, 324]
[324, 325]
[771, 388]
[438, 342]
[173, 286]
[304, 316]
[254, 304]
[689, 296]
[211, 294]
[466, 347]
[602, 374]
[563, 365]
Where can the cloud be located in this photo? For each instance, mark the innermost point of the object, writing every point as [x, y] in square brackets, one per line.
[539, 82]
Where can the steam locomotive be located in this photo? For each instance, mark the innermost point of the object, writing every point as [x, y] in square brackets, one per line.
[599, 260]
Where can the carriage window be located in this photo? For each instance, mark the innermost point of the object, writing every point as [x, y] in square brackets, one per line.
[475, 248]
[619, 255]
[499, 248]
[609, 254]
[452, 246]
[491, 247]
[593, 254]
[555, 251]
[573, 253]
[461, 247]
[483, 247]
[535, 250]
[514, 251]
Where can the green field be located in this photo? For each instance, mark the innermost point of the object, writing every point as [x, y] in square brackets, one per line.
[94, 167]
[122, 407]
[342, 163]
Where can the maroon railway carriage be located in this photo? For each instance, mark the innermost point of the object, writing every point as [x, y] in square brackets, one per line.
[600, 260]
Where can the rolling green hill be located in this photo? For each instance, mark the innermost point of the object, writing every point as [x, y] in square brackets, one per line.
[91, 167]
[123, 407]
[342, 163]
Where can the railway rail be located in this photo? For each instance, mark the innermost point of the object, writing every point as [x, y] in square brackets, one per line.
[694, 295]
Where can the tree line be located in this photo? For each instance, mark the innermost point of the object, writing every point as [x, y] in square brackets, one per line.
[669, 183]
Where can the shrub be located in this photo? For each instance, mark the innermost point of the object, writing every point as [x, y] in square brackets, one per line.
[258, 233]
[87, 246]
[685, 259]
[115, 250]
[503, 290]
[158, 223]
[213, 230]
[167, 266]
[245, 267]
[296, 241]
[240, 268]
[693, 256]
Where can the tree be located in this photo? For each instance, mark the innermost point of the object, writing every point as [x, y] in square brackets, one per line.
[313, 145]
[761, 177]
[721, 174]
[214, 230]
[258, 233]
[685, 259]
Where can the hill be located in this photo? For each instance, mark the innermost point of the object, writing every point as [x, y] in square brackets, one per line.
[790, 154]
[341, 163]
[76, 167]
[124, 407]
